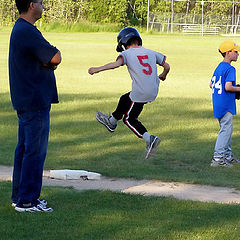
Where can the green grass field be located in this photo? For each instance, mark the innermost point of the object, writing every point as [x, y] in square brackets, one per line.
[93, 215]
[181, 116]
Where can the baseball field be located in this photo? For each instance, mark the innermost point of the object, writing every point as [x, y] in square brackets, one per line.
[181, 116]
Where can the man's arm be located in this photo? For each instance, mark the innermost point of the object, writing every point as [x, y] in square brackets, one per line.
[230, 88]
[57, 58]
[54, 62]
[108, 66]
[166, 69]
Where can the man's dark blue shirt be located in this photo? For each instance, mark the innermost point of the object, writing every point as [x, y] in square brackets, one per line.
[32, 86]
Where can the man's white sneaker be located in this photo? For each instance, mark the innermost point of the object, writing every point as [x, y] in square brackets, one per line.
[40, 201]
[30, 208]
[42, 208]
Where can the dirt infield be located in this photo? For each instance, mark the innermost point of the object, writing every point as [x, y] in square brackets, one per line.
[177, 190]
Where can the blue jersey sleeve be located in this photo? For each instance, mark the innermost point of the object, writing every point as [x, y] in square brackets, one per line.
[231, 75]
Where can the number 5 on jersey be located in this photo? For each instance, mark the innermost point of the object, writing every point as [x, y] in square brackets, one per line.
[146, 65]
[217, 84]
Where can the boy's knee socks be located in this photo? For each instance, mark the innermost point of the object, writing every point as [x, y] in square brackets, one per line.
[146, 137]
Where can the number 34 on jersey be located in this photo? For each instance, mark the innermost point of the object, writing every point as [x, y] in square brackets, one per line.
[217, 84]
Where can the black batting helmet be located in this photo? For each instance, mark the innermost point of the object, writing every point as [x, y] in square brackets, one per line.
[125, 35]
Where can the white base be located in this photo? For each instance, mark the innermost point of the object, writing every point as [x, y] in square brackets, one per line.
[67, 174]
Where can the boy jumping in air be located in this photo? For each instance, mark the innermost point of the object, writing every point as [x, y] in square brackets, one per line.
[224, 87]
[142, 67]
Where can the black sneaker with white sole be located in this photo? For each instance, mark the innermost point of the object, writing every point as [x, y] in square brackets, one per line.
[39, 201]
[151, 147]
[31, 208]
[104, 120]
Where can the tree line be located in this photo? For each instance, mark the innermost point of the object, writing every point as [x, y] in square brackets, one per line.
[121, 12]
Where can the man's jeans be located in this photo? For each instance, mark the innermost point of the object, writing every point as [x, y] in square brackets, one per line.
[223, 143]
[30, 155]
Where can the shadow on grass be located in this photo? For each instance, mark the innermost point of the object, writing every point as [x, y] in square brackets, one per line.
[77, 141]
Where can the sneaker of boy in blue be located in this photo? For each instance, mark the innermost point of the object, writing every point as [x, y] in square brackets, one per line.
[220, 162]
[233, 160]
[151, 147]
[104, 120]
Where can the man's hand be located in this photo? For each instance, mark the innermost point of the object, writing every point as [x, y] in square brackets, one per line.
[50, 66]
[55, 61]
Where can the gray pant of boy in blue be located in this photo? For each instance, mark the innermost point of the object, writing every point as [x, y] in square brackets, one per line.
[223, 143]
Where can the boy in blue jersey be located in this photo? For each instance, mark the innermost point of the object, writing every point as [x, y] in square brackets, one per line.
[223, 84]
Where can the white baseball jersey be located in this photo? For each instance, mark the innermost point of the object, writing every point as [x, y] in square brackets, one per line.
[141, 64]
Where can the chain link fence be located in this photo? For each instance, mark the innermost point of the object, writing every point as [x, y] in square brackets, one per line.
[204, 17]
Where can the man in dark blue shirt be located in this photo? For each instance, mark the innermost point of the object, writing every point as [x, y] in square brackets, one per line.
[32, 61]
